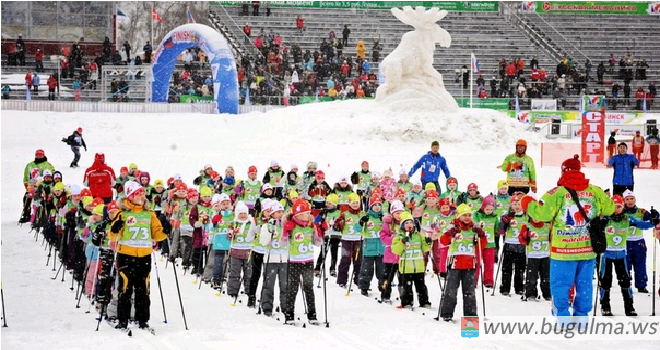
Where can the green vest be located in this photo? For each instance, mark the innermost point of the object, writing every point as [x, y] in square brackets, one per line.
[251, 193]
[501, 205]
[277, 178]
[343, 195]
[137, 229]
[635, 233]
[616, 234]
[474, 203]
[302, 244]
[515, 225]
[453, 197]
[412, 256]
[490, 226]
[462, 243]
[330, 218]
[539, 241]
[416, 198]
[428, 218]
[228, 190]
[241, 239]
[352, 229]
[363, 180]
[219, 233]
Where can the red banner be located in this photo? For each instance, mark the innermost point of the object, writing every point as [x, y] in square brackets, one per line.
[593, 136]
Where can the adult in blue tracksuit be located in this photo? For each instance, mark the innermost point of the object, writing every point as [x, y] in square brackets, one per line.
[635, 243]
[431, 164]
[623, 164]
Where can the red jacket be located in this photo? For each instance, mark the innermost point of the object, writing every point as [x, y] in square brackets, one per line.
[28, 79]
[39, 56]
[300, 22]
[511, 70]
[535, 74]
[639, 94]
[463, 262]
[100, 179]
[51, 82]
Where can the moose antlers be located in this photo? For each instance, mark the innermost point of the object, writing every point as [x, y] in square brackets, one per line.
[419, 18]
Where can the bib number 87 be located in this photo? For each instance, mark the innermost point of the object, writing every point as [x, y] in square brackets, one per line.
[139, 233]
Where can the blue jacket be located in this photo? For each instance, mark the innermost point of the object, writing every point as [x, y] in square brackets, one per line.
[366, 66]
[36, 81]
[623, 169]
[431, 165]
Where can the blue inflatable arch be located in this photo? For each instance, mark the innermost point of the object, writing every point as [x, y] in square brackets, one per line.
[221, 58]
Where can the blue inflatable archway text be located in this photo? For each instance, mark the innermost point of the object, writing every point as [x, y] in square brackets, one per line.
[221, 58]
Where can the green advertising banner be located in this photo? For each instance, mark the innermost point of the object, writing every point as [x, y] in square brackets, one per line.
[490, 103]
[194, 99]
[457, 6]
[590, 7]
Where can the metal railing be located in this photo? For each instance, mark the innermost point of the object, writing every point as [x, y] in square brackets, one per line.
[108, 107]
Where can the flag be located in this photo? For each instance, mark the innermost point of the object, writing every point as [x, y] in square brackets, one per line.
[155, 16]
[121, 16]
[247, 96]
[474, 64]
[190, 17]
[644, 104]
[517, 104]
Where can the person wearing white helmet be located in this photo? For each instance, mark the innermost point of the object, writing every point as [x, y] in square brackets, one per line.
[276, 259]
[134, 228]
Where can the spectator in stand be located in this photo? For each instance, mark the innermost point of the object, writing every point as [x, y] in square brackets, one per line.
[300, 23]
[510, 72]
[267, 8]
[612, 63]
[247, 30]
[366, 66]
[35, 83]
[6, 89]
[626, 92]
[147, 52]
[187, 60]
[623, 164]
[501, 68]
[639, 97]
[28, 85]
[94, 74]
[534, 63]
[76, 89]
[520, 66]
[359, 92]
[20, 50]
[587, 68]
[535, 75]
[52, 85]
[127, 49]
[542, 74]
[255, 8]
[345, 34]
[107, 49]
[493, 88]
[39, 61]
[600, 72]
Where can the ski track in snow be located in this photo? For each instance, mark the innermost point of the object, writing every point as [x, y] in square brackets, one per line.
[41, 312]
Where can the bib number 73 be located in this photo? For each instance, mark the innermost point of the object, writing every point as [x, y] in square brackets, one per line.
[139, 233]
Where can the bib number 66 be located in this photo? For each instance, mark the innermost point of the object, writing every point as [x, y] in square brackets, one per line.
[305, 248]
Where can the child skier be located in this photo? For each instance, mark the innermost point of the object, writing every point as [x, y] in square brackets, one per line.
[501, 208]
[178, 209]
[536, 236]
[222, 225]
[462, 241]
[249, 190]
[452, 192]
[258, 250]
[487, 219]
[404, 183]
[276, 259]
[317, 191]
[332, 237]
[635, 243]
[343, 190]
[200, 218]
[302, 235]
[514, 252]
[240, 251]
[410, 245]
[372, 248]
[349, 225]
[440, 251]
[390, 260]
[275, 177]
[388, 185]
[472, 197]
[416, 196]
[428, 219]
[616, 233]
[362, 179]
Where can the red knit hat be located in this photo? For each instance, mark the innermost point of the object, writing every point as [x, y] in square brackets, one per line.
[431, 194]
[452, 180]
[375, 200]
[39, 153]
[300, 206]
[571, 164]
[444, 201]
[400, 192]
[618, 200]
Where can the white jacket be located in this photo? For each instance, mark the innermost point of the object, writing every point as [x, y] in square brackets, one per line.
[272, 257]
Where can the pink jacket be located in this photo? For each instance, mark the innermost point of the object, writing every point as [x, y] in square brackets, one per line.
[386, 236]
[388, 187]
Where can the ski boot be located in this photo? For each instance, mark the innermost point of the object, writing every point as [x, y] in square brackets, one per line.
[122, 325]
[251, 301]
[333, 273]
[628, 302]
[364, 292]
[317, 272]
[605, 308]
[643, 290]
[425, 305]
[144, 325]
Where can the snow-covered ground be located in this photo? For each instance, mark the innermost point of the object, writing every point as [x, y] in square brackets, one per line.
[41, 312]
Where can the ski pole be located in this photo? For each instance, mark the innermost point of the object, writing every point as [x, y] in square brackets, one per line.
[303, 294]
[81, 282]
[655, 243]
[96, 273]
[2, 294]
[442, 295]
[598, 285]
[499, 265]
[261, 295]
[176, 279]
[240, 282]
[200, 257]
[481, 268]
[159, 286]
[50, 250]
[325, 290]
[58, 272]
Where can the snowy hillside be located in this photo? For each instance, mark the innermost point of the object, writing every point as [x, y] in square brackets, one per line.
[41, 312]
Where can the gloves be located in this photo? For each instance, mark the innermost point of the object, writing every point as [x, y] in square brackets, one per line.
[511, 214]
[443, 274]
[405, 239]
[429, 240]
[97, 239]
[216, 219]
[64, 140]
[117, 226]
[198, 223]
[655, 217]
[364, 220]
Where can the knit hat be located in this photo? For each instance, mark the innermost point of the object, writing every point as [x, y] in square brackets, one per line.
[224, 197]
[405, 216]
[618, 200]
[364, 163]
[403, 171]
[431, 194]
[332, 199]
[178, 176]
[252, 169]
[353, 198]
[319, 175]
[132, 166]
[396, 206]
[374, 200]
[215, 199]
[489, 200]
[85, 192]
[47, 173]
[277, 206]
[571, 164]
[159, 182]
[628, 193]
[435, 143]
[274, 163]
[502, 183]
[463, 209]
[112, 206]
[388, 173]
[300, 206]
[206, 191]
[75, 190]
[145, 175]
[400, 192]
[452, 180]
[39, 153]
[472, 187]
[192, 193]
[521, 142]
[100, 157]
[181, 187]
[57, 175]
[241, 208]
[123, 169]
[266, 187]
[58, 187]
[312, 164]
[444, 201]
[98, 210]
[97, 201]
[293, 194]
[294, 166]
[208, 166]
[430, 186]
[343, 179]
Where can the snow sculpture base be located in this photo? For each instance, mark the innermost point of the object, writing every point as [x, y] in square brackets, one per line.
[410, 79]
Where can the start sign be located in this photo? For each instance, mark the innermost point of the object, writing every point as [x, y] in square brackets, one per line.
[593, 129]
